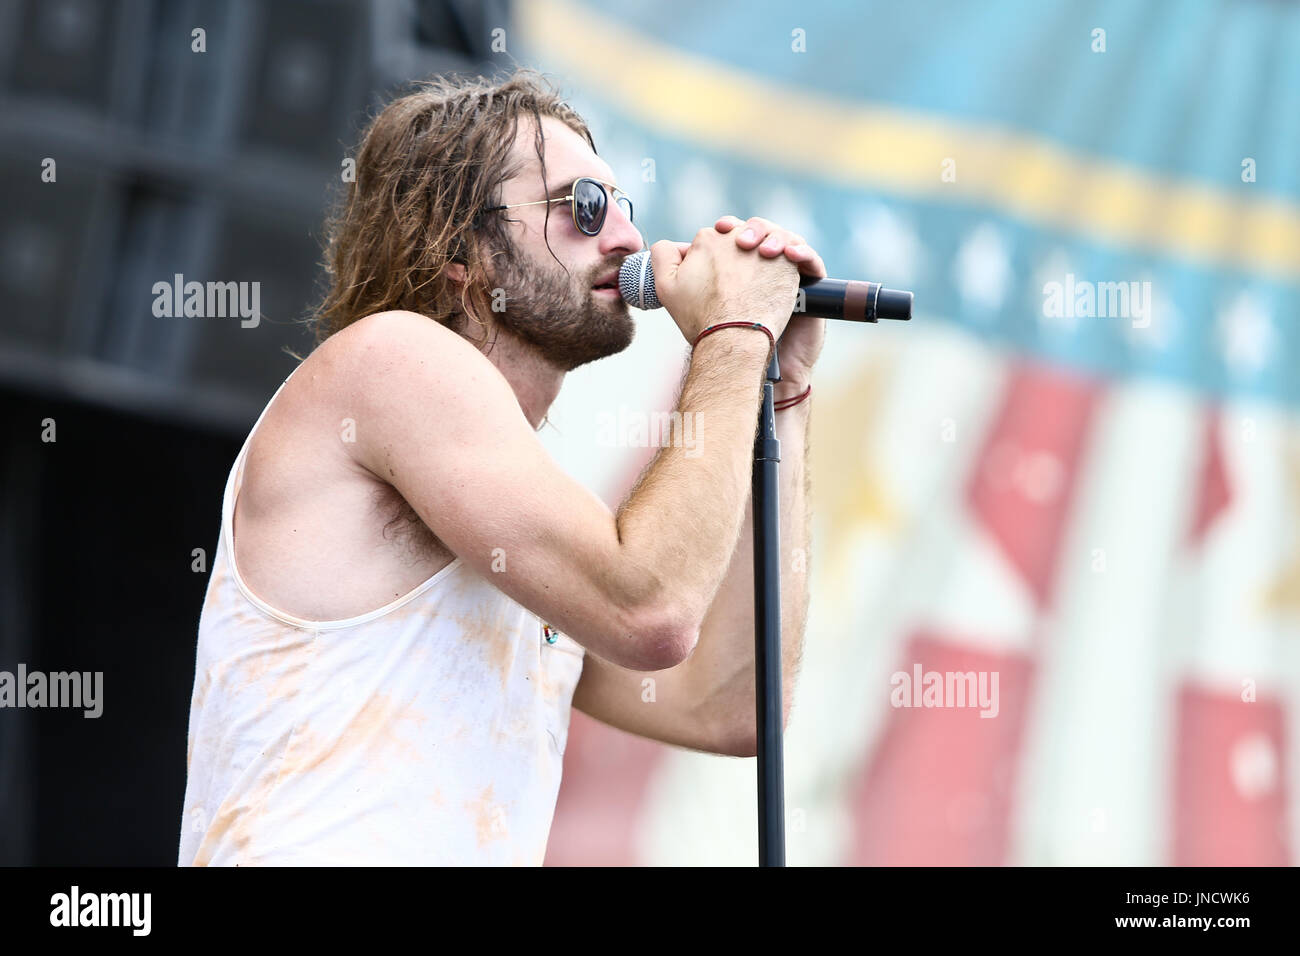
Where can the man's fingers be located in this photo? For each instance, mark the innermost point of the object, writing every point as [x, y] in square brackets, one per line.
[806, 258]
[666, 257]
[754, 232]
[778, 241]
[771, 241]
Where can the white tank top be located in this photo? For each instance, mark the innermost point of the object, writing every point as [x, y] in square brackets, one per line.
[428, 732]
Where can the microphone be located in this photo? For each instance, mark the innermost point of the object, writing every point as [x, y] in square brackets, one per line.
[850, 299]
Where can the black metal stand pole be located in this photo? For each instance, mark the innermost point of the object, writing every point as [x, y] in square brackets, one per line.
[767, 628]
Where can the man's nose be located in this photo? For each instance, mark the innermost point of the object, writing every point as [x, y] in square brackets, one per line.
[618, 234]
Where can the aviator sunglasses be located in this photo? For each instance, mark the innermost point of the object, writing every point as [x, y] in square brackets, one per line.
[590, 203]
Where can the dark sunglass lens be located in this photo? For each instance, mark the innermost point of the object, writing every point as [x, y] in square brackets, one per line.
[589, 206]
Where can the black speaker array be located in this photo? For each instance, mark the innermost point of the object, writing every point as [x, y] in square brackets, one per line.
[199, 138]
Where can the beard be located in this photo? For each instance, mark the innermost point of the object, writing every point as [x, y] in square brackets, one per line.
[560, 314]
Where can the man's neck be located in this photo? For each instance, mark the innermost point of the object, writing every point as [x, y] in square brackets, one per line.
[535, 381]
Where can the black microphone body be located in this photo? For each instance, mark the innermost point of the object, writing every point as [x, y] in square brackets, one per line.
[849, 299]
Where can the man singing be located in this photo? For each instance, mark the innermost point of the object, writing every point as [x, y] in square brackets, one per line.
[408, 592]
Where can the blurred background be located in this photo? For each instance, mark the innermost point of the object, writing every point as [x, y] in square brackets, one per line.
[1077, 468]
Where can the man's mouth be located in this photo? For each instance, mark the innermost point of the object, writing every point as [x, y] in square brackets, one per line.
[609, 282]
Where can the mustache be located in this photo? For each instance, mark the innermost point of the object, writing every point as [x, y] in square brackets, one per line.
[520, 270]
[605, 269]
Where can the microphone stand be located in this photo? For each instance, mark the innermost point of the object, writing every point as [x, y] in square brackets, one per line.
[767, 628]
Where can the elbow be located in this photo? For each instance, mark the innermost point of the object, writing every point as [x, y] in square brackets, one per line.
[662, 644]
[661, 634]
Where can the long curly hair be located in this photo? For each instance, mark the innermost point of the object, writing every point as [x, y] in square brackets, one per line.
[428, 163]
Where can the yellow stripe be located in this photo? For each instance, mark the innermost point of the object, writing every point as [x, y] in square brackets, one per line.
[881, 148]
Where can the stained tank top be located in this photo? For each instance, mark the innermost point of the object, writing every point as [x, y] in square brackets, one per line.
[429, 731]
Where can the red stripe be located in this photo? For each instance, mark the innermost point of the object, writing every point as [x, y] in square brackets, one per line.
[1230, 781]
[1023, 480]
[938, 788]
[1213, 492]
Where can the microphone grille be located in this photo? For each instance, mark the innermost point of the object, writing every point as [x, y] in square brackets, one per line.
[636, 281]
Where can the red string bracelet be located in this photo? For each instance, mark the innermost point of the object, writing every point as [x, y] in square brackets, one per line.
[737, 325]
[776, 406]
[792, 401]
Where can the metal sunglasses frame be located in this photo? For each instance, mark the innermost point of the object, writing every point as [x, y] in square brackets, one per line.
[611, 191]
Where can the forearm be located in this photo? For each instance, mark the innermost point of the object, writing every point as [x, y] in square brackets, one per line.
[679, 525]
[722, 665]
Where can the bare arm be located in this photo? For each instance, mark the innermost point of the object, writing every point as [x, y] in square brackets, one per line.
[707, 702]
[436, 420]
[723, 661]
[704, 490]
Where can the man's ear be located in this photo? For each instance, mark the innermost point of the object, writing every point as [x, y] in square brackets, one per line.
[456, 271]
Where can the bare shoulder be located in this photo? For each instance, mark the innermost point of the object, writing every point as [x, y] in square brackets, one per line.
[359, 375]
[392, 342]
[406, 370]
